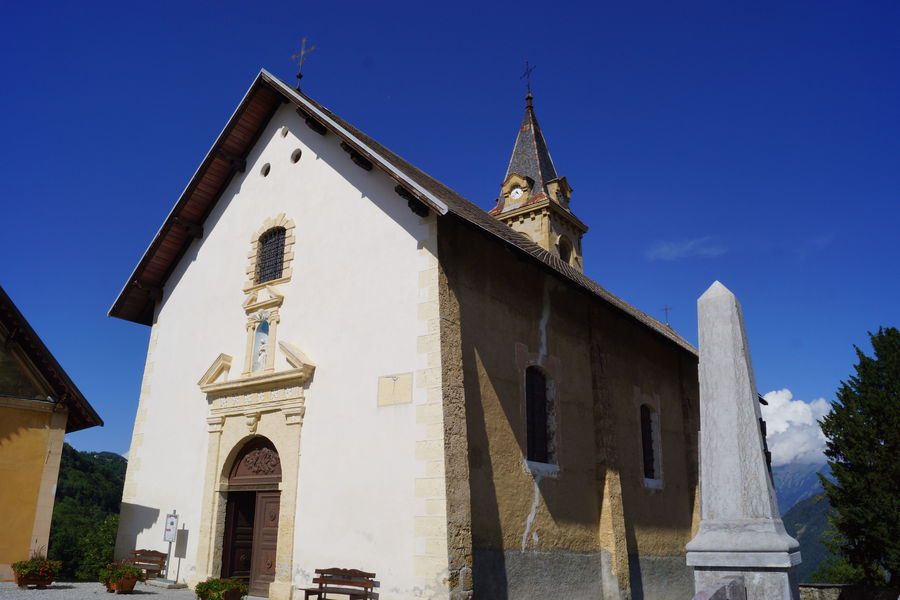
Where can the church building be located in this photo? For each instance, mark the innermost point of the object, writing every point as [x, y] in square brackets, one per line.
[351, 365]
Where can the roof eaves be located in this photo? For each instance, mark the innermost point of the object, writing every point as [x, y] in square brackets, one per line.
[187, 188]
[430, 199]
[71, 394]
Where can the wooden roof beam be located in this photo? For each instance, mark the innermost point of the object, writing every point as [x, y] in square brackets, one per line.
[311, 122]
[358, 159]
[417, 206]
[238, 163]
[195, 230]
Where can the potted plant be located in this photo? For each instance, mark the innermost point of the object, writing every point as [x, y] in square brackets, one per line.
[120, 577]
[36, 571]
[220, 589]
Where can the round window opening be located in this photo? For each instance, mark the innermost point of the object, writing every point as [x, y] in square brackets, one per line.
[284, 131]
[295, 155]
[265, 170]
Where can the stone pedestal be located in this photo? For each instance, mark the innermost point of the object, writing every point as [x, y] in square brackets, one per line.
[741, 533]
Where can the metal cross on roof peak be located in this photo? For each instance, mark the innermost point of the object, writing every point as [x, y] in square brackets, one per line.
[667, 309]
[526, 75]
[300, 57]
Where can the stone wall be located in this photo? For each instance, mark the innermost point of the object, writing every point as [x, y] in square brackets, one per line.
[563, 525]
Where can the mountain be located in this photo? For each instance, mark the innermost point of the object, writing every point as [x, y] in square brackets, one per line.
[796, 482]
[806, 522]
[88, 493]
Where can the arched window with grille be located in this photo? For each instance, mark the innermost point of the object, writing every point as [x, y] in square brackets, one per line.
[650, 451]
[539, 418]
[270, 257]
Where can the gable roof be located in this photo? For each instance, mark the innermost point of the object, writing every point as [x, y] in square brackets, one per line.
[19, 332]
[266, 94]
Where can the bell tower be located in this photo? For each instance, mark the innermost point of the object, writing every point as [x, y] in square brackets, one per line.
[534, 200]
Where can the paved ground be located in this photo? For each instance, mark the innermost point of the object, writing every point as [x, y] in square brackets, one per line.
[88, 591]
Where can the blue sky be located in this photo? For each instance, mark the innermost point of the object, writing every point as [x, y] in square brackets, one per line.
[755, 143]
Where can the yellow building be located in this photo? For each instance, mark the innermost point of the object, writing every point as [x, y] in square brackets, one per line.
[39, 404]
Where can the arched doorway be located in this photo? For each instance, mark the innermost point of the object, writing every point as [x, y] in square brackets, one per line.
[252, 515]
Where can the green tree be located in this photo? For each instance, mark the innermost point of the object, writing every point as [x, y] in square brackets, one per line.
[863, 450]
[88, 489]
[96, 548]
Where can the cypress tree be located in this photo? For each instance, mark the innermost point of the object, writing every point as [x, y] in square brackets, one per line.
[863, 450]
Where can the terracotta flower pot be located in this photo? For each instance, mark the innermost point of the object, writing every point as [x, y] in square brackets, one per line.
[39, 582]
[125, 585]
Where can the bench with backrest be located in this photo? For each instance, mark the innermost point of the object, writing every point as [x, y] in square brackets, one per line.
[359, 585]
[152, 562]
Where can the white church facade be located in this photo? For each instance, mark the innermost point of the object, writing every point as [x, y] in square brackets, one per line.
[352, 366]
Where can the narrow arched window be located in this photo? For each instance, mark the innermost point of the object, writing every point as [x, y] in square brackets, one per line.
[650, 442]
[539, 417]
[270, 258]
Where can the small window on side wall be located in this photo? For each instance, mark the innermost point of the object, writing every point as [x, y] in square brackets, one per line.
[539, 418]
[270, 260]
[650, 451]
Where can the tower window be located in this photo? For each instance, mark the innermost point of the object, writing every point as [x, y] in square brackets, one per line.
[565, 250]
[650, 443]
[539, 418]
[270, 262]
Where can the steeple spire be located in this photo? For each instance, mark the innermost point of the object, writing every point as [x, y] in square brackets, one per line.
[530, 155]
[534, 199]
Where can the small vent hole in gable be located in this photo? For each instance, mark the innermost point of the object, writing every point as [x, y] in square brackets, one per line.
[284, 131]
[295, 155]
[265, 170]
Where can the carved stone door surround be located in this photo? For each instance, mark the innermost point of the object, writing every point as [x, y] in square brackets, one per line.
[269, 404]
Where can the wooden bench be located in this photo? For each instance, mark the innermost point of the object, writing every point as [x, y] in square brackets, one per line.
[152, 562]
[359, 585]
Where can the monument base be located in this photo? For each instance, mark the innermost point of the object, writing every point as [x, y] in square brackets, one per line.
[768, 584]
[758, 550]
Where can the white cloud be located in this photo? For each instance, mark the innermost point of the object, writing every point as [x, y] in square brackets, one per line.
[792, 430]
[704, 246]
[125, 454]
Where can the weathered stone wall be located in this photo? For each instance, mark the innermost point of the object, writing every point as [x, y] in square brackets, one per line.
[531, 527]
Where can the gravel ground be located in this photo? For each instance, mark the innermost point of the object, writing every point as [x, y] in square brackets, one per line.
[88, 591]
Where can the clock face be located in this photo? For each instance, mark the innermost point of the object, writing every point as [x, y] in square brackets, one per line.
[516, 193]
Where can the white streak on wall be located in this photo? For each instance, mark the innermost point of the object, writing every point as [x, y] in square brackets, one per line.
[542, 326]
[529, 522]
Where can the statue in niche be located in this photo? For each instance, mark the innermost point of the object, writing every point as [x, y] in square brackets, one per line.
[261, 354]
[260, 345]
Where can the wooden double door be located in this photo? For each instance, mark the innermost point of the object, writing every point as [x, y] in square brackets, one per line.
[251, 538]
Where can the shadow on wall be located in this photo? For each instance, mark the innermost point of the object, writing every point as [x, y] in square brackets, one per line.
[133, 520]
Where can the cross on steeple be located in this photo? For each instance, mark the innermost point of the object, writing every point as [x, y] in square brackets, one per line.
[300, 57]
[526, 75]
[667, 309]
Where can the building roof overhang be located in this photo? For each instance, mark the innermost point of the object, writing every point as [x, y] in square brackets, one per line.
[20, 333]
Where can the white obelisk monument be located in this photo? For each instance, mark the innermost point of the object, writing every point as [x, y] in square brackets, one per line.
[741, 533]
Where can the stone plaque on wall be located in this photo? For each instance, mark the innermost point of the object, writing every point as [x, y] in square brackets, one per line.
[395, 389]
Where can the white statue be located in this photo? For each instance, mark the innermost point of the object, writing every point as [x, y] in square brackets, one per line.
[261, 354]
